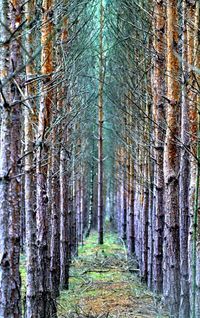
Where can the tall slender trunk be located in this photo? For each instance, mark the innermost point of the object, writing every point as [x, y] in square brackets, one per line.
[15, 184]
[74, 226]
[158, 117]
[131, 234]
[64, 220]
[151, 225]
[197, 196]
[82, 204]
[80, 207]
[91, 200]
[45, 302]
[137, 208]
[55, 216]
[144, 231]
[22, 206]
[29, 184]
[184, 181]
[124, 204]
[145, 206]
[100, 129]
[54, 180]
[171, 285]
[5, 166]
[194, 201]
[196, 275]
[63, 175]
[130, 176]
[192, 114]
[141, 214]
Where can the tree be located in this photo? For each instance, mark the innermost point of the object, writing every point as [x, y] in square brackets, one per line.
[171, 284]
[158, 118]
[29, 169]
[5, 166]
[45, 303]
[100, 128]
[63, 175]
[184, 180]
[15, 153]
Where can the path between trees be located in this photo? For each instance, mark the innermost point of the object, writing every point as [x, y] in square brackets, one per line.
[103, 283]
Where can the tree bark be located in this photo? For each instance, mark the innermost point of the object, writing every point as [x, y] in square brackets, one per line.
[184, 181]
[64, 221]
[29, 183]
[15, 184]
[197, 196]
[5, 166]
[193, 19]
[55, 216]
[91, 200]
[45, 302]
[130, 185]
[124, 205]
[158, 117]
[100, 129]
[171, 285]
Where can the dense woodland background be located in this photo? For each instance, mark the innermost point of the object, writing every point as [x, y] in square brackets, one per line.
[99, 123]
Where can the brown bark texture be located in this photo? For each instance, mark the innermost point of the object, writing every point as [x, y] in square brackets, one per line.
[171, 287]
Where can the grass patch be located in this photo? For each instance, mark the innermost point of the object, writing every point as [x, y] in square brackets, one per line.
[22, 270]
[100, 283]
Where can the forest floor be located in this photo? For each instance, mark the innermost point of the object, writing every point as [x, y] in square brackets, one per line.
[104, 284]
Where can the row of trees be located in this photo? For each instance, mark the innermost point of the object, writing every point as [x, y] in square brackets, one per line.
[157, 160]
[99, 121]
[44, 166]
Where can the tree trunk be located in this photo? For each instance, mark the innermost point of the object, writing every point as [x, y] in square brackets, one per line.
[100, 129]
[63, 175]
[158, 117]
[124, 205]
[45, 302]
[184, 182]
[55, 216]
[171, 285]
[64, 220]
[5, 166]
[91, 200]
[193, 19]
[15, 184]
[130, 178]
[144, 218]
[29, 183]
[72, 211]
[151, 225]
[197, 203]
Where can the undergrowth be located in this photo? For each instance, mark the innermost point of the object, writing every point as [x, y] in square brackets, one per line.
[104, 283]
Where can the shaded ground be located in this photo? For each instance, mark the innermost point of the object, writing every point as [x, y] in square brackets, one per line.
[104, 284]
